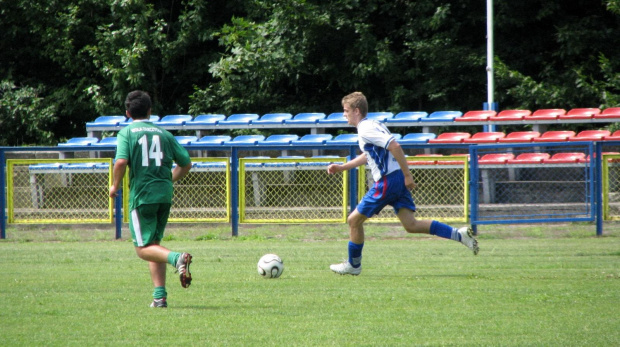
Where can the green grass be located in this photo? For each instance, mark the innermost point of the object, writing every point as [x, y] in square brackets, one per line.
[530, 285]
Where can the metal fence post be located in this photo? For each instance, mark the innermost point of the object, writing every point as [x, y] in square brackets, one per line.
[234, 191]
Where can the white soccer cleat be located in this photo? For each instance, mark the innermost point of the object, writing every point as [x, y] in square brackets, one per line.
[468, 239]
[345, 268]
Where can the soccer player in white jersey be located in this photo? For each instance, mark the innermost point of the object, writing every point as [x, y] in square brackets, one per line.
[393, 185]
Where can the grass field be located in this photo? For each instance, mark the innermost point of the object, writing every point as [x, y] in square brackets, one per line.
[535, 285]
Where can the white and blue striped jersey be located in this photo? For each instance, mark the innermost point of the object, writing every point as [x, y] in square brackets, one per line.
[374, 138]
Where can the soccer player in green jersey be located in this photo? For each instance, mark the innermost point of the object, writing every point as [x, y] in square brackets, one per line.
[149, 151]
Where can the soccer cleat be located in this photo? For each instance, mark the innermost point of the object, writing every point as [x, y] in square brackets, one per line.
[159, 303]
[345, 268]
[185, 259]
[468, 239]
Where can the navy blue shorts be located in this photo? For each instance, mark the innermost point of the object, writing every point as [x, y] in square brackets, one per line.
[389, 190]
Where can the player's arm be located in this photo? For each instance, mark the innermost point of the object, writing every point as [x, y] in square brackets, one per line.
[397, 151]
[118, 172]
[180, 171]
[358, 161]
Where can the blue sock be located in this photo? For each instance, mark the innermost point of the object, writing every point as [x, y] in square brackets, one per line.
[355, 254]
[445, 231]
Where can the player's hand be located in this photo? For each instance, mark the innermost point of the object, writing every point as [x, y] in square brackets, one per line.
[334, 168]
[409, 183]
[113, 192]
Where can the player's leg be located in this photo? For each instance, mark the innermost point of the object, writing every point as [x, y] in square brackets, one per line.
[412, 225]
[158, 276]
[353, 265]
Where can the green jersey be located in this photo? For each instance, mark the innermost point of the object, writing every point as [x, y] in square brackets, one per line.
[150, 151]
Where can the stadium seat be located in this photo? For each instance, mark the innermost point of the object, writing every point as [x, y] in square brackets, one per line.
[211, 140]
[485, 137]
[312, 139]
[495, 158]
[106, 141]
[613, 137]
[555, 136]
[612, 112]
[348, 139]
[510, 115]
[186, 140]
[204, 120]
[566, 158]
[546, 114]
[476, 116]
[273, 119]
[520, 136]
[590, 135]
[529, 158]
[442, 116]
[278, 140]
[580, 113]
[456, 137]
[244, 140]
[407, 117]
[380, 116]
[79, 141]
[174, 121]
[153, 118]
[306, 118]
[105, 122]
[238, 119]
[334, 118]
[416, 138]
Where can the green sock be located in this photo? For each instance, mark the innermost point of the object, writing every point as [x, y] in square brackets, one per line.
[173, 257]
[159, 292]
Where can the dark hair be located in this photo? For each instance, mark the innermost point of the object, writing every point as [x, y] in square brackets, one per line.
[138, 103]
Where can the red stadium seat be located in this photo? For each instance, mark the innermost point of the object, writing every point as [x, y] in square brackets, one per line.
[520, 136]
[510, 115]
[614, 137]
[529, 158]
[555, 136]
[476, 116]
[580, 113]
[612, 112]
[566, 158]
[590, 135]
[495, 158]
[485, 137]
[456, 137]
[546, 114]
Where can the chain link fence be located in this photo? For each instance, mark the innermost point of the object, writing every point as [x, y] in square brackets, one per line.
[611, 186]
[441, 191]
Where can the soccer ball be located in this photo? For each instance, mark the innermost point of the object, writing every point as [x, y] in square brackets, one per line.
[270, 266]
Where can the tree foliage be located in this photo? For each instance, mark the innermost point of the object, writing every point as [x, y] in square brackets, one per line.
[78, 58]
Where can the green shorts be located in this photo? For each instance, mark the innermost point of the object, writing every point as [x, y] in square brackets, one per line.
[147, 223]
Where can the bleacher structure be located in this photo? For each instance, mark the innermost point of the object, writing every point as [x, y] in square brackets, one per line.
[532, 174]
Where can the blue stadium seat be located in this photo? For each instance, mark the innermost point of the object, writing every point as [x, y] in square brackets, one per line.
[442, 116]
[278, 140]
[105, 123]
[313, 139]
[204, 120]
[305, 118]
[380, 116]
[347, 139]
[210, 140]
[186, 140]
[238, 119]
[79, 141]
[106, 141]
[174, 121]
[209, 166]
[244, 140]
[407, 117]
[415, 138]
[153, 118]
[334, 118]
[273, 119]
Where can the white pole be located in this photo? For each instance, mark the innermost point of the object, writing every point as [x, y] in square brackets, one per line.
[490, 82]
